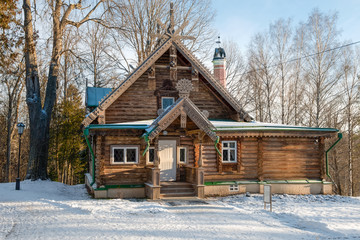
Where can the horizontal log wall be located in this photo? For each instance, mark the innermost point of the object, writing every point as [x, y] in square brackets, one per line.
[291, 158]
[114, 174]
[267, 159]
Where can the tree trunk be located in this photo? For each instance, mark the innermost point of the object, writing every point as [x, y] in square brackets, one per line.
[40, 117]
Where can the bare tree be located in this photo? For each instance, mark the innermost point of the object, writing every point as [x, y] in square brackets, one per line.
[351, 97]
[40, 114]
[145, 20]
[236, 73]
[321, 35]
[280, 33]
[260, 62]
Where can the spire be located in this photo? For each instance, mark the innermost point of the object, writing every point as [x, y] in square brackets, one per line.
[219, 51]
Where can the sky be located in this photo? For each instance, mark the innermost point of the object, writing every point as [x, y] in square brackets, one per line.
[239, 20]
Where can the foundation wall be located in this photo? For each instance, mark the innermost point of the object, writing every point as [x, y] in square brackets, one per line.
[315, 188]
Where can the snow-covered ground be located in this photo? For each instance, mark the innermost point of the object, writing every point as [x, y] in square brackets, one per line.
[50, 210]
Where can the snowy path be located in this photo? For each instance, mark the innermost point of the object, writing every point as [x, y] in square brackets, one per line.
[50, 210]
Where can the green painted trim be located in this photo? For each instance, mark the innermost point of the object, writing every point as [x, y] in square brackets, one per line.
[265, 182]
[216, 147]
[106, 187]
[116, 126]
[86, 134]
[146, 137]
[264, 128]
[326, 156]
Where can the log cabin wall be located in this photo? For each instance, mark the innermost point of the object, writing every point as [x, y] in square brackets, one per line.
[114, 174]
[141, 101]
[291, 158]
[269, 158]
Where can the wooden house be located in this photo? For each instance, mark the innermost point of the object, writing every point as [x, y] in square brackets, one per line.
[172, 129]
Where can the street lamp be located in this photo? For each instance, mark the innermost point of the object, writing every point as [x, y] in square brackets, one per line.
[21, 127]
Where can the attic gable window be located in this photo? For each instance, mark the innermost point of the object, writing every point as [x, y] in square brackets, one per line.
[124, 154]
[167, 102]
[229, 151]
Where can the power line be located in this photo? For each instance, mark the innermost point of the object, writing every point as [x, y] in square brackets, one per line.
[306, 56]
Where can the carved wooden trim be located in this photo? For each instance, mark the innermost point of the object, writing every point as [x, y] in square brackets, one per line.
[206, 73]
[171, 113]
[219, 158]
[183, 119]
[143, 67]
[197, 155]
[238, 157]
[151, 78]
[173, 63]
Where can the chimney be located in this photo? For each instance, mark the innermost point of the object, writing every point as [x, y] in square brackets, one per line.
[219, 62]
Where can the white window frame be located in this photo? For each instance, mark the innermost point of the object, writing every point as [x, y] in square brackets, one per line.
[234, 188]
[229, 148]
[148, 156]
[162, 103]
[125, 147]
[178, 154]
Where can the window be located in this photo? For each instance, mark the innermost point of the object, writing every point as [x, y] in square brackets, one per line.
[234, 188]
[182, 154]
[166, 102]
[150, 155]
[124, 154]
[229, 151]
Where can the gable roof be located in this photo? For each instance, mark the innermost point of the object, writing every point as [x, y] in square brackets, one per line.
[174, 111]
[146, 64]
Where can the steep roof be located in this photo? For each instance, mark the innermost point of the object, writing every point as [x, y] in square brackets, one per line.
[174, 111]
[146, 64]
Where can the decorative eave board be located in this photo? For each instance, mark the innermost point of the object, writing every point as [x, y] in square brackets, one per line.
[174, 111]
[210, 78]
[146, 64]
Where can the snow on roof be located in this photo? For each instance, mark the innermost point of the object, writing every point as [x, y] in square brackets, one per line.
[229, 125]
[220, 125]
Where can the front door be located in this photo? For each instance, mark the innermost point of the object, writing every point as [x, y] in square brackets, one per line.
[167, 154]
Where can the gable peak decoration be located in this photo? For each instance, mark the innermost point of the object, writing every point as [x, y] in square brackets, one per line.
[170, 31]
[184, 86]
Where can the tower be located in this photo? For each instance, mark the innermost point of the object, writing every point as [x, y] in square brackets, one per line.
[219, 62]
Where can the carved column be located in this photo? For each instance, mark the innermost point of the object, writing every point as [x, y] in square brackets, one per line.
[219, 158]
[239, 154]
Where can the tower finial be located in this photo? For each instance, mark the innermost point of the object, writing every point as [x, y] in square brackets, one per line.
[172, 24]
[218, 41]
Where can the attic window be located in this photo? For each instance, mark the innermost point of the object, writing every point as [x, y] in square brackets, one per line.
[167, 102]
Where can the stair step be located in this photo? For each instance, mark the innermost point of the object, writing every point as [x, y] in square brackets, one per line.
[178, 194]
[176, 190]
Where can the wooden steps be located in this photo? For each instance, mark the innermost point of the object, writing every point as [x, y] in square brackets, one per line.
[176, 190]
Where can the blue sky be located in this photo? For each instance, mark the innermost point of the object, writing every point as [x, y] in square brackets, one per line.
[239, 20]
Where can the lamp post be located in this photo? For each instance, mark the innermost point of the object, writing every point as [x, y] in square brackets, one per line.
[21, 127]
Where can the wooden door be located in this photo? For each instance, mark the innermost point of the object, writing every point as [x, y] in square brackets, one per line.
[167, 154]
